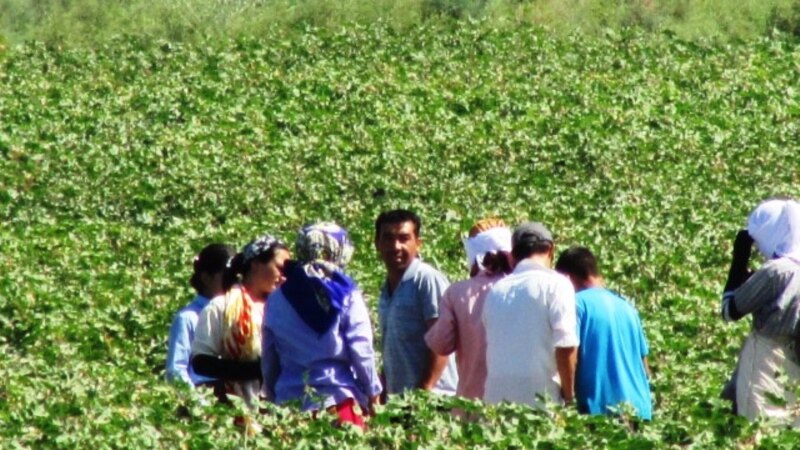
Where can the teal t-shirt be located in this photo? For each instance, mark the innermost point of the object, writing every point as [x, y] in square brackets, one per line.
[610, 368]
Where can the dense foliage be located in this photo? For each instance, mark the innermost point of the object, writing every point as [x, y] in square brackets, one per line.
[117, 164]
[79, 22]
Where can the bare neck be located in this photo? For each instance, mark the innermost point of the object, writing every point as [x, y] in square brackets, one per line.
[252, 288]
[594, 281]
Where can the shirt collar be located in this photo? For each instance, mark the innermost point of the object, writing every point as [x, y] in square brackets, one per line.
[526, 265]
[201, 301]
[411, 270]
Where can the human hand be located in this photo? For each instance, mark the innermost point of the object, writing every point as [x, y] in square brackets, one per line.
[742, 246]
[372, 402]
[426, 386]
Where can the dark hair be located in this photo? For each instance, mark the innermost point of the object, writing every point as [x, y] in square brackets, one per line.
[495, 263]
[212, 259]
[526, 248]
[397, 216]
[238, 268]
[577, 262]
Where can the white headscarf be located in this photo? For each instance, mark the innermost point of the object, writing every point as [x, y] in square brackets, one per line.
[496, 239]
[775, 227]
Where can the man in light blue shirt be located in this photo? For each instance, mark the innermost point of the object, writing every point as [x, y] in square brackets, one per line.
[408, 306]
[612, 358]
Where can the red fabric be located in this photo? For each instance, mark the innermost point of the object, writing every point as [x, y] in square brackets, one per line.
[347, 413]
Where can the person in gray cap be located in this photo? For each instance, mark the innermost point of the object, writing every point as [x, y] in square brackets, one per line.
[531, 326]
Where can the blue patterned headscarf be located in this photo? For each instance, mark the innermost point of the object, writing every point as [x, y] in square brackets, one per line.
[259, 246]
[316, 285]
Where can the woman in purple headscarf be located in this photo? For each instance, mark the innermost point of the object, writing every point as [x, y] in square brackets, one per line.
[317, 335]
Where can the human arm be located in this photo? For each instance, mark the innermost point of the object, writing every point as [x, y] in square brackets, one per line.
[270, 364]
[757, 291]
[357, 333]
[207, 348]
[179, 350]
[442, 334]
[564, 325]
[226, 369]
[436, 365]
[566, 363]
[738, 272]
[431, 291]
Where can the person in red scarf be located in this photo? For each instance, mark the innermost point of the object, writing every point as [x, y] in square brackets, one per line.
[227, 344]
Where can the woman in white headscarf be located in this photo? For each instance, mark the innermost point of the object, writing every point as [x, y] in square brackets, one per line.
[772, 296]
[459, 328]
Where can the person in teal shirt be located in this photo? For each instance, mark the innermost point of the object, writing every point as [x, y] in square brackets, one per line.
[612, 358]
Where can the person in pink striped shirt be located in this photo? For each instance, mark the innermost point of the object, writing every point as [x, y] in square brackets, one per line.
[459, 327]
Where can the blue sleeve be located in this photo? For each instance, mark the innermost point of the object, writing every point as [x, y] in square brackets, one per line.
[357, 331]
[642, 338]
[179, 350]
[270, 364]
[431, 288]
[580, 310]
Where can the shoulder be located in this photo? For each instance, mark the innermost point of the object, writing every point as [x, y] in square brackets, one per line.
[427, 278]
[775, 273]
[356, 296]
[425, 271]
[506, 283]
[186, 315]
[458, 291]
[220, 302]
[780, 266]
[275, 302]
[460, 286]
[553, 280]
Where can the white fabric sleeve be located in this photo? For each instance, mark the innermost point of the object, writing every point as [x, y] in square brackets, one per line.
[563, 314]
[208, 334]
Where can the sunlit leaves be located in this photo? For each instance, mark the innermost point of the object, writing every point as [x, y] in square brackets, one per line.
[117, 164]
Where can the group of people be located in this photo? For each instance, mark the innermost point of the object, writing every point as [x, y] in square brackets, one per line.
[524, 327]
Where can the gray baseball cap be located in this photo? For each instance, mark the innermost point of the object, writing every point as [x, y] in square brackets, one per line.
[531, 232]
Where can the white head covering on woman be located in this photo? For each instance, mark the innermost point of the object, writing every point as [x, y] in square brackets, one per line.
[774, 225]
[491, 235]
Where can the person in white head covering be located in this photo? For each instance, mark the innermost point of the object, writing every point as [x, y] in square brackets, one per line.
[459, 328]
[772, 296]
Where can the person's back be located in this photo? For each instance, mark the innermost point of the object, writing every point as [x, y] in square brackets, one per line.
[610, 367]
[320, 361]
[531, 333]
[317, 345]
[519, 340]
[611, 359]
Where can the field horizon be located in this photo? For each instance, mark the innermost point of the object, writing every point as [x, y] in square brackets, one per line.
[93, 22]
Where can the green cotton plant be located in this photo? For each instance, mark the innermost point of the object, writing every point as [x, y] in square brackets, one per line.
[118, 162]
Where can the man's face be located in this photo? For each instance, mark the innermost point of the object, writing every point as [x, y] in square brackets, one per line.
[398, 245]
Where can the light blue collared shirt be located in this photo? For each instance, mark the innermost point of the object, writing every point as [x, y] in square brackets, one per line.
[404, 319]
[181, 335]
